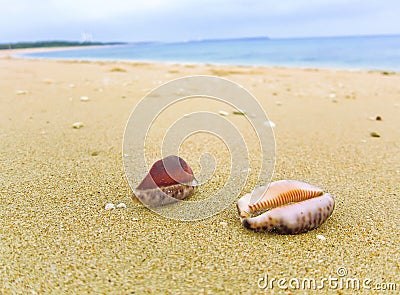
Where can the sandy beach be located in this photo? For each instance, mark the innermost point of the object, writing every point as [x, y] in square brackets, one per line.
[57, 238]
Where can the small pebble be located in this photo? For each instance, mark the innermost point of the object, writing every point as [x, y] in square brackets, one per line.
[77, 125]
[223, 113]
[378, 118]
[332, 95]
[48, 81]
[321, 237]
[121, 205]
[21, 92]
[363, 140]
[84, 98]
[374, 134]
[71, 85]
[239, 112]
[269, 123]
[223, 223]
[109, 206]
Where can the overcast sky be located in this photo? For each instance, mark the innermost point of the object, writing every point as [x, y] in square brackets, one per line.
[177, 20]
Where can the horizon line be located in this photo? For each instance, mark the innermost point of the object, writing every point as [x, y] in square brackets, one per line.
[209, 39]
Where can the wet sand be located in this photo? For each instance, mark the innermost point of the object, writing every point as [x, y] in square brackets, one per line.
[56, 236]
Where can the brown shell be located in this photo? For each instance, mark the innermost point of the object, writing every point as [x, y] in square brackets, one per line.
[168, 171]
[169, 180]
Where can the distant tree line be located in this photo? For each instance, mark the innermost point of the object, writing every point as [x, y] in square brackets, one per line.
[53, 44]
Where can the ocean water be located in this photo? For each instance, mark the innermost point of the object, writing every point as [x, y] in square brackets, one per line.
[357, 52]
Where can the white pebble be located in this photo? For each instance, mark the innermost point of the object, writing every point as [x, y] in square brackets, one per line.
[109, 206]
[321, 237]
[180, 91]
[372, 118]
[84, 98]
[77, 125]
[363, 140]
[21, 92]
[223, 113]
[223, 223]
[121, 205]
[332, 95]
[269, 123]
[71, 85]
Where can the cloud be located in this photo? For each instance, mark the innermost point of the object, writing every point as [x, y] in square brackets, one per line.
[183, 19]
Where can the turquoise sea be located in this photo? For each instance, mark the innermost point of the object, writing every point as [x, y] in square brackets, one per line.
[355, 52]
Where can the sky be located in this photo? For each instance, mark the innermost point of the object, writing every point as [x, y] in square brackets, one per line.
[181, 20]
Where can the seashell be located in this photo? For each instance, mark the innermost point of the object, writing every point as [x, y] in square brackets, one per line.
[121, 205]
[169, 180]
[293, 207]
[109, 206]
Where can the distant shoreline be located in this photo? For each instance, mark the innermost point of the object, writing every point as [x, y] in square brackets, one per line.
[47, 44]
[16, 51]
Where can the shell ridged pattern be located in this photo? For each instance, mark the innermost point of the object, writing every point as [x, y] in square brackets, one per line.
[294, 207]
